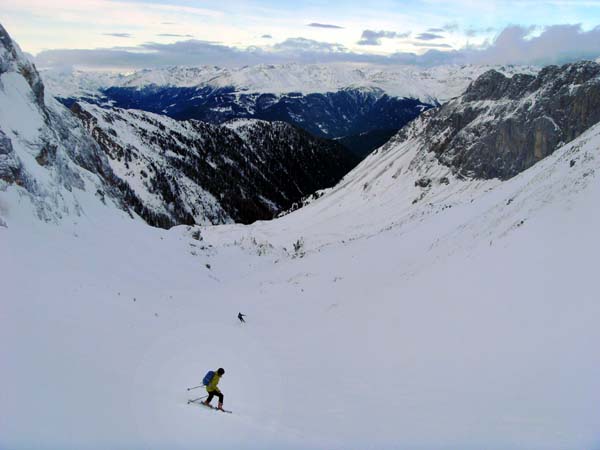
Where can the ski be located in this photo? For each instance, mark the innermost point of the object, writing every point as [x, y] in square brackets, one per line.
[195, 401]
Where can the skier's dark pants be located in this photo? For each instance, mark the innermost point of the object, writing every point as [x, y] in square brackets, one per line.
[212, 394]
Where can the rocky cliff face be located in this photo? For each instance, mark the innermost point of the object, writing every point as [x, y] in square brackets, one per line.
[13, 60]
[45, 155]
[501, 126]
[195, 172]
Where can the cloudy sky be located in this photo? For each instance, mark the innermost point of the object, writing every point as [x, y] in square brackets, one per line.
[123, 34]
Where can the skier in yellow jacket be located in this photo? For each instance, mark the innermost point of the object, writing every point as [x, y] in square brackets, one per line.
[213, 390]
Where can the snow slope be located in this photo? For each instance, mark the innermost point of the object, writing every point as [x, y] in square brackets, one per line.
[404, 308]
[467, 319]
[429, 85]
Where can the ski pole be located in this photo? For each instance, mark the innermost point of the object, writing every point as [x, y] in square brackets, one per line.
[196, 399]
[195, 387]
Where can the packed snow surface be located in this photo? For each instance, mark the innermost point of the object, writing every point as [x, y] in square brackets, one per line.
[429, 85]
[463, 315]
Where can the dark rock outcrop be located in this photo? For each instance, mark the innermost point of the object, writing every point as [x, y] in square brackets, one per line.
[10, 167]
[501, 126]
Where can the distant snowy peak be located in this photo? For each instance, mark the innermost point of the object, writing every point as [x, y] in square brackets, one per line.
[361, 104]
[432, 85]
[344, 113]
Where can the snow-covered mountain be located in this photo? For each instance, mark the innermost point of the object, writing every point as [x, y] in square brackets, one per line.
[466, 319]
[193, 172]
[431, 85]
[359, 103]
[405, 183]
[497, 129]
[413, 305]
[343, 113]
[165, 171]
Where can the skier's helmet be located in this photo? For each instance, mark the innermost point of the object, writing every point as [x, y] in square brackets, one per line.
[221, 371]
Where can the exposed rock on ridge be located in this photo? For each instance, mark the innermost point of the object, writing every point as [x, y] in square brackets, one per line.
[13, 60]
[501, 126]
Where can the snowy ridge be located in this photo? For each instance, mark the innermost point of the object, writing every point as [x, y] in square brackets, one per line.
[46, 158]
[347, 112]
[437, 84]
[139, 158]
[190, 172]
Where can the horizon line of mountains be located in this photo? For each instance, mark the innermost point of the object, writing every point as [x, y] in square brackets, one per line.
[210, 155]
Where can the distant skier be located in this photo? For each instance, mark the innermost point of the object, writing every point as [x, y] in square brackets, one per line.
[241, 317]
[213, 390]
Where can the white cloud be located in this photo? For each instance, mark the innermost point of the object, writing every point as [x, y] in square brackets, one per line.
[118, 35]
[554, 45]
[514, 45]
[324, 25]
[428, 36]
[370, 37]
[430, 45]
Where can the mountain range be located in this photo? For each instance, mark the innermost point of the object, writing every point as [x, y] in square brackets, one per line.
[353, 103]
[440, 294]
[168, 172]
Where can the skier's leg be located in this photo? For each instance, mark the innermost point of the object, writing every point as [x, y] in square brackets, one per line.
[221, 397]
[210, 397]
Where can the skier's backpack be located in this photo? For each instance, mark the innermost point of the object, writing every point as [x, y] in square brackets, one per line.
[208, 377]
